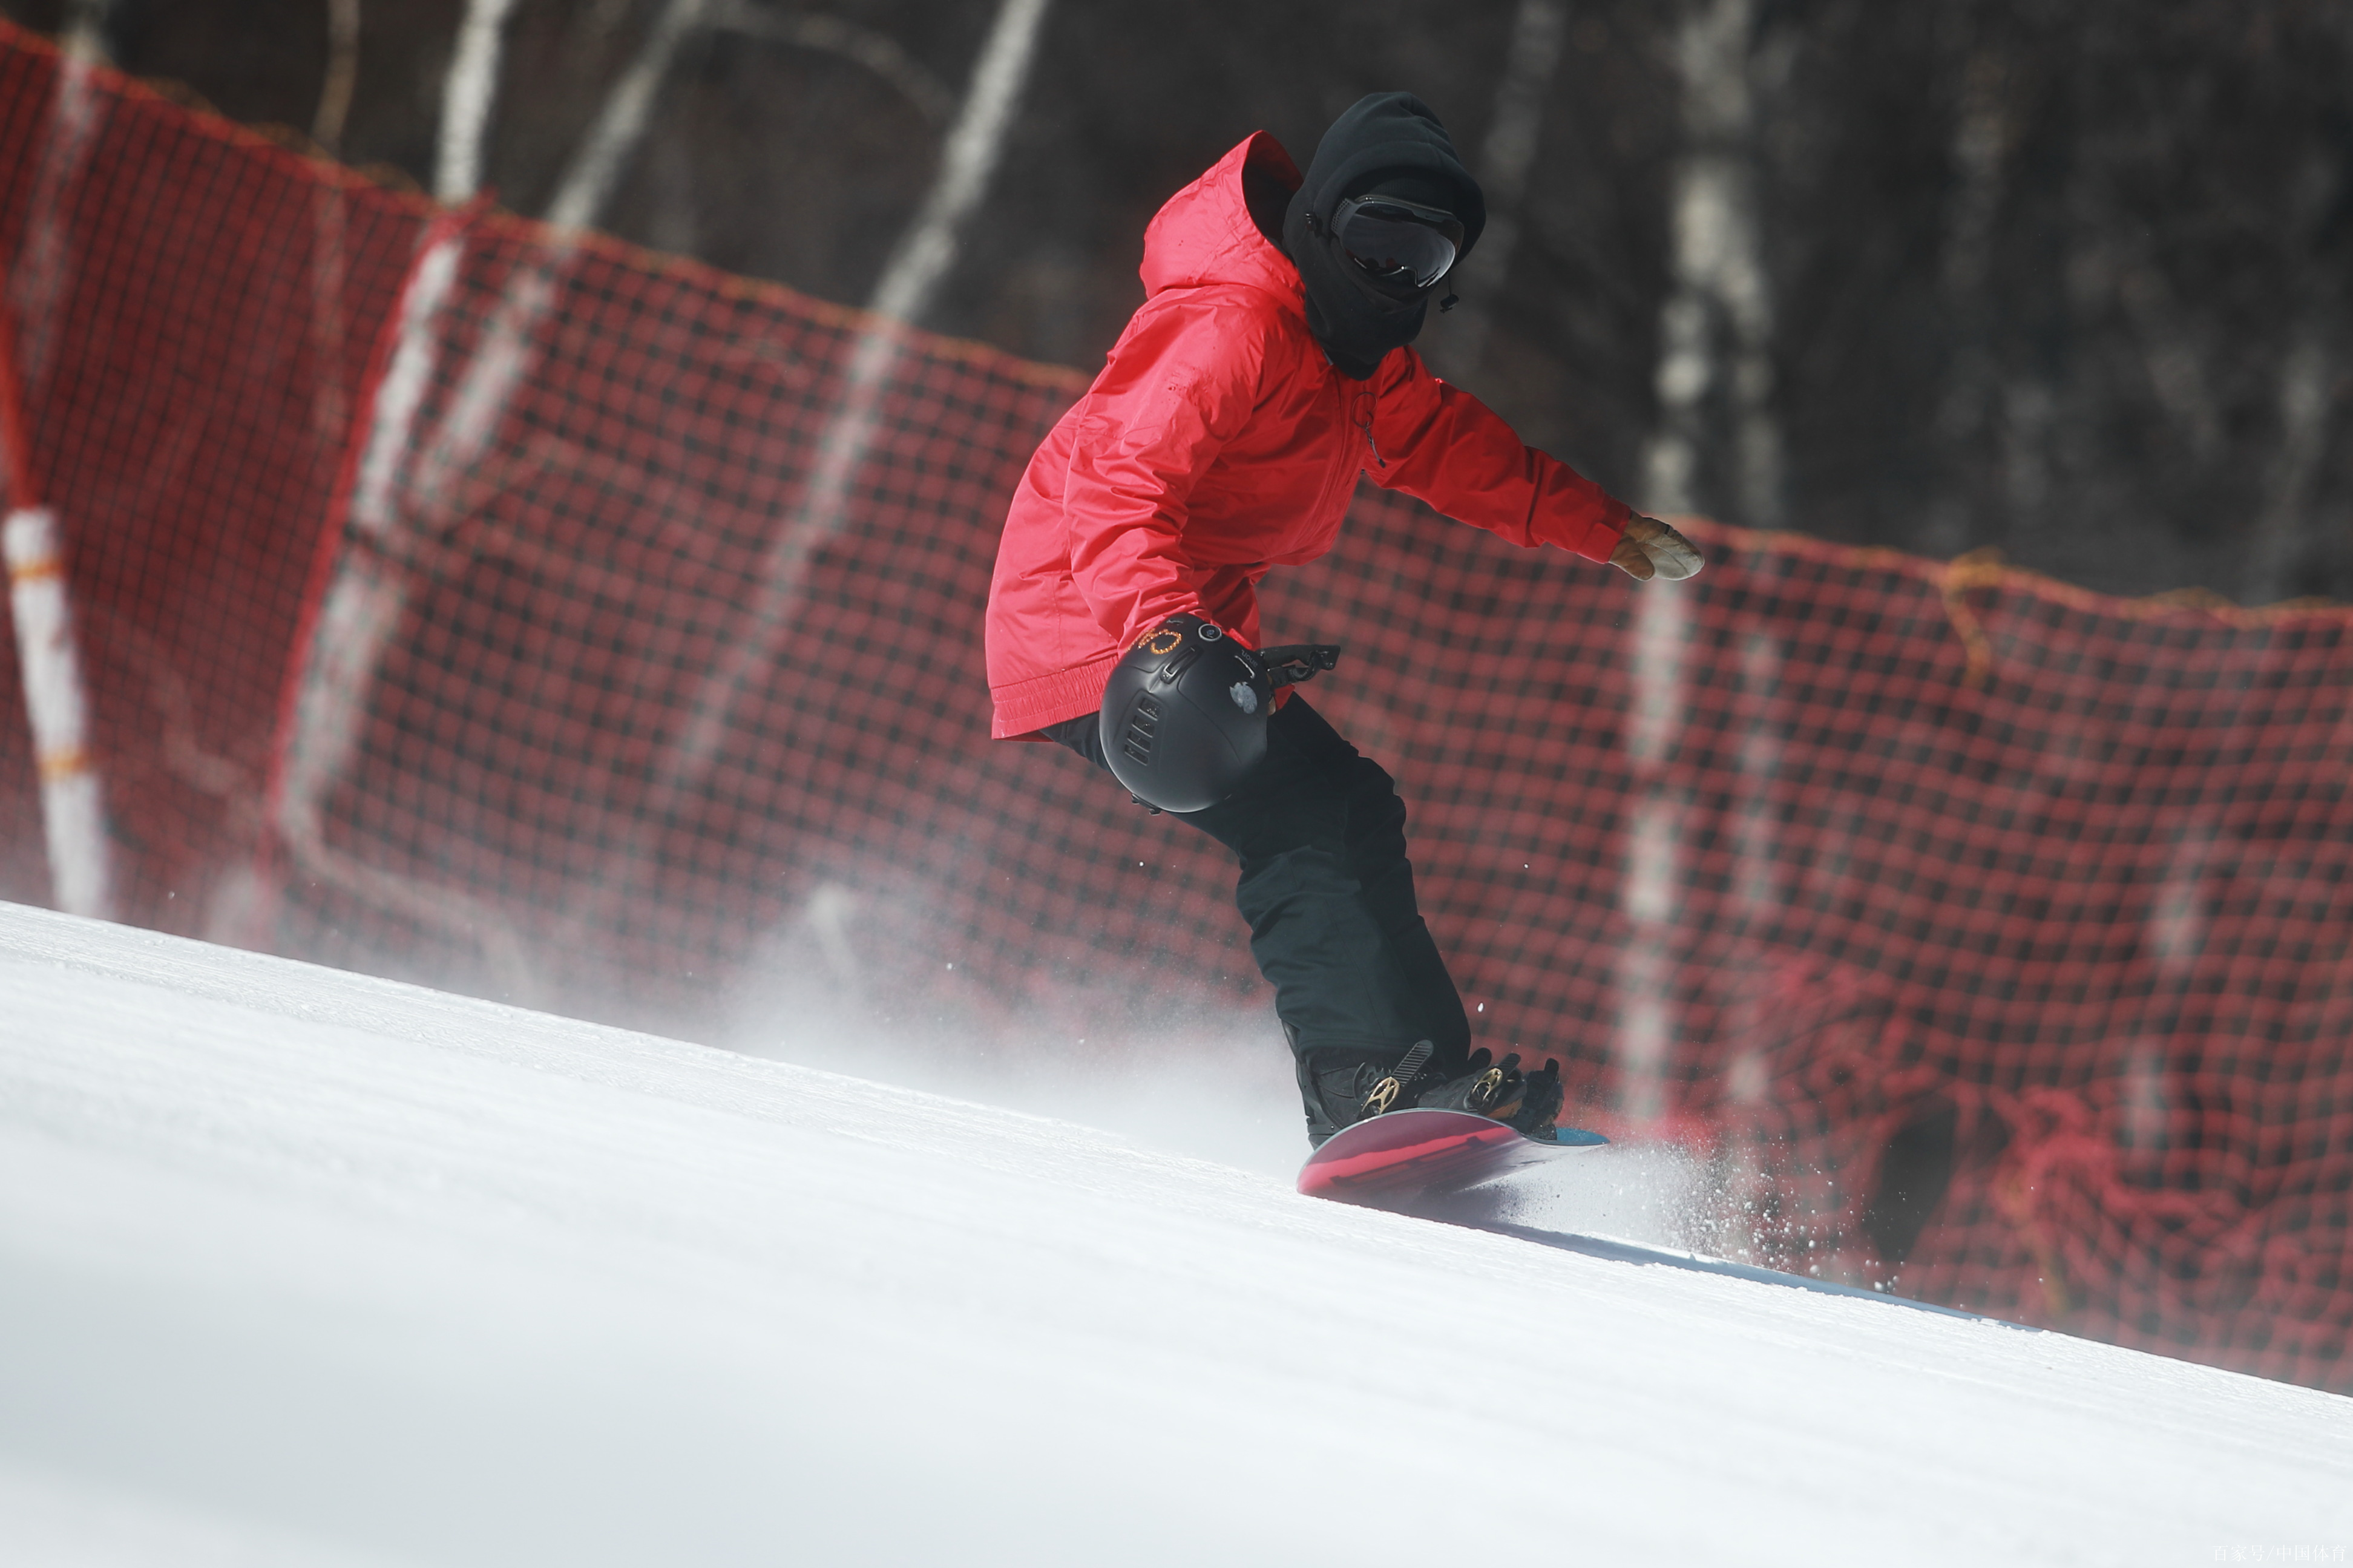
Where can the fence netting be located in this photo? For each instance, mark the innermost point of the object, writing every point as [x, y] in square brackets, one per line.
[541, 618]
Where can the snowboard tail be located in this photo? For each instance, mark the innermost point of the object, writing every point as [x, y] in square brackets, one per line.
[1406, 1158]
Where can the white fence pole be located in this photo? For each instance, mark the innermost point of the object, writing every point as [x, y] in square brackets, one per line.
[73, 810]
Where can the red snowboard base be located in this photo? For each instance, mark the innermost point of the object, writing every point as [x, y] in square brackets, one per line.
[1410, 1157]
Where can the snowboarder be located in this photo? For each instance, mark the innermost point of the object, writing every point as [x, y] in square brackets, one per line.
[1266, 370]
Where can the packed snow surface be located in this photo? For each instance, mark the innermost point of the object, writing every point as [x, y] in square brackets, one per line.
[297, 1267]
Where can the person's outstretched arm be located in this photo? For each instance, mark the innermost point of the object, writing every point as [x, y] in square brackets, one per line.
[1437, 443]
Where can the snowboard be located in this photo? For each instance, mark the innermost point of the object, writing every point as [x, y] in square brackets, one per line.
[1410, 1160]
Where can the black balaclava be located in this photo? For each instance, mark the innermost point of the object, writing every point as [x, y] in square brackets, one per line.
[1389, 143]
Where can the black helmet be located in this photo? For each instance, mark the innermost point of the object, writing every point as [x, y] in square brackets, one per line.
[1184, 716]
[1185, 712]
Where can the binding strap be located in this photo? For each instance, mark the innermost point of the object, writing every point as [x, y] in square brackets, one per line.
[1295, 662]
[1383, 1096]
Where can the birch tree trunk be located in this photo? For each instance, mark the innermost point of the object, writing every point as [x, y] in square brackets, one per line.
[1982, 133]
[2277, 553]
[902, 296]
[2284, 530]
[1504, 159]
[1715, 366]
[407, 473]
[468, 96]
[330, 409]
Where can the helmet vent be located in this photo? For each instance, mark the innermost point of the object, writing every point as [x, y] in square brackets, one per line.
[1143, 724]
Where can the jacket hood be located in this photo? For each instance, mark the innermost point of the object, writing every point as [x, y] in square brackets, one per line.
[1205, 234]
[1385, 139]
[1389, 133]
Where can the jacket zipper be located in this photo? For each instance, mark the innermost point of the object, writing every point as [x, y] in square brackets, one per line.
[1344, 469]
[1342, 476]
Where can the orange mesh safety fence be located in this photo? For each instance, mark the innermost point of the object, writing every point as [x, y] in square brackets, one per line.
[544, 618]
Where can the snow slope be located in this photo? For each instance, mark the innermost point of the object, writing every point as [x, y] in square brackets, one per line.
[299, 1266]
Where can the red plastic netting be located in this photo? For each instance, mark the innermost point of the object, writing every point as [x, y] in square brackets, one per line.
[195, 307]
[602, 632]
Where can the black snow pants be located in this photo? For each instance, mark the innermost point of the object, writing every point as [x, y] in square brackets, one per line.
[1328, 893]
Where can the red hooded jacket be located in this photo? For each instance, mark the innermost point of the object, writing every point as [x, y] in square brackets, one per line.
[1217, 443]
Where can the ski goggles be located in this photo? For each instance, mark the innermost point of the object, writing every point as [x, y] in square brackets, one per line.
[1398, 241]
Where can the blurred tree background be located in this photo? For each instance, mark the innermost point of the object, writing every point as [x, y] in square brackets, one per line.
[2071, 279]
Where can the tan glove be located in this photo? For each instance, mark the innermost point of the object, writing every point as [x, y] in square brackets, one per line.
[1653, 549]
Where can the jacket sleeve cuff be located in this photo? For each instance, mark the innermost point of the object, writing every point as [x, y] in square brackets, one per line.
[1601, 532]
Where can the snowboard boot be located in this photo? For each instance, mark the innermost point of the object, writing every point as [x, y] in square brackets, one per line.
[1539, 1111]
[1343, 1088]
[1528, 1102]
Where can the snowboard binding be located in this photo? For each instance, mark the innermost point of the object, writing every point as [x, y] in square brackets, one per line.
[1343, 1096]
